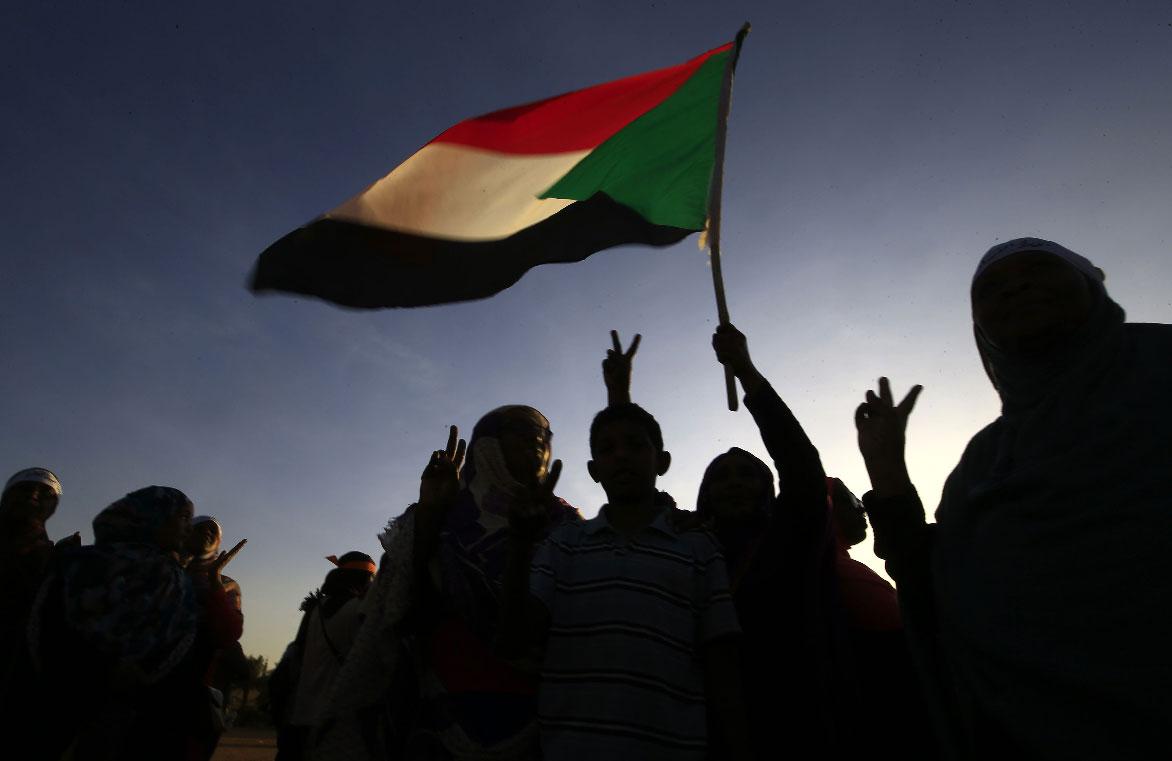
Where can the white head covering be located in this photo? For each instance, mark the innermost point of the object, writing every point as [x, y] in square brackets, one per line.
[36, 476]
[207, 519]
[1019, 245]
[210, 553]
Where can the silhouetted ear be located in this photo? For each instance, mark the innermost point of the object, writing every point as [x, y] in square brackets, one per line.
[664, 463]
[590, 470]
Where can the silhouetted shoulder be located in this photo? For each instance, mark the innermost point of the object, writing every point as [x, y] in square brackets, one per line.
[702, 543]
[568, 533]
[1151, 341]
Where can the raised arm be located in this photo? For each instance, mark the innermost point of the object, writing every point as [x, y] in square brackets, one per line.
[616, 370]
[438, 487]
[902, 536]
[799, 468]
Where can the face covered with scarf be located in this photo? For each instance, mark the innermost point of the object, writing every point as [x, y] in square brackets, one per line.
[510, 450]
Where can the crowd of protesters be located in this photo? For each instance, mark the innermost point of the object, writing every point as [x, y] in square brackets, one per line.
[1030, 620]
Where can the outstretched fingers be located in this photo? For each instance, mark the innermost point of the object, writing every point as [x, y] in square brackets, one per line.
[617, 345]
[461, 451]
[909, 401]
[453, 437]
[634, 346]
[225, 557]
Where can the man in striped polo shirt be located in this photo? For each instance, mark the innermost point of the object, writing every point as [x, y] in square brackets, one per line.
[638, 625]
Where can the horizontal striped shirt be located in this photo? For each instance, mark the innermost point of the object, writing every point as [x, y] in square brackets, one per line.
[622, 676]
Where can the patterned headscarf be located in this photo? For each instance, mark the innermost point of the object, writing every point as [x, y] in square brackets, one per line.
[136, 518]
[125, 596]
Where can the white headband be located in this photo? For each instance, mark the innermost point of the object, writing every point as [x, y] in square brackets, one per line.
[36, 476]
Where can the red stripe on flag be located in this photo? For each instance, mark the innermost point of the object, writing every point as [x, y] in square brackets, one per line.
[575, 121]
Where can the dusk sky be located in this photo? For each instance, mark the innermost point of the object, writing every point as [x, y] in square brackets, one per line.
[876, 148]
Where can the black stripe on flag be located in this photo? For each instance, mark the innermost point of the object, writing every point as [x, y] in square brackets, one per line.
[360, 266]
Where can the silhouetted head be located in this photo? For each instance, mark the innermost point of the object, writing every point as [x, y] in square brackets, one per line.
[204, 540]
[1028, 294]
[351, 577]
[31, 494]
[515, 438]
[850, 522]
[158, 515]
[626, 452]
[1038, 309]
[737, 487]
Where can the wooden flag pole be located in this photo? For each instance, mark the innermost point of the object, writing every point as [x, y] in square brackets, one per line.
[714, 195]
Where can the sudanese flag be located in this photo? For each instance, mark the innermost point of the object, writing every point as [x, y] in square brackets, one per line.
[629, 161]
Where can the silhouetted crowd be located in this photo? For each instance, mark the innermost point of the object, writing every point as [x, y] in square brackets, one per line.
[1031, 620]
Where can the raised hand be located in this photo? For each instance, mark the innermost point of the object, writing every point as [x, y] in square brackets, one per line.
[440, 482]
[616, 369]
[732, 351]
[529, 512]
[217, 566]
[882, 427]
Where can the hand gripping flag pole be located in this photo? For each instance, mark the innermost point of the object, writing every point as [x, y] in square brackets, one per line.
[714, 193]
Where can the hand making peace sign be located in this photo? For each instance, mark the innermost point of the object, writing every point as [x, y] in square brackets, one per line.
[616, 369]
[882, 426]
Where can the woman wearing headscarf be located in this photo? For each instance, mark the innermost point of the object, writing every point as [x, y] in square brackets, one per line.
[119, 627]
[228, 664]
[203, 550]
[28, 501]
[331, 620]
[801, 606]
[1038, 602]
[432, 619]
[779, 550]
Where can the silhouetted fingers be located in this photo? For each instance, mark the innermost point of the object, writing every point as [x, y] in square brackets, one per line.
[226, 557]
[614, 339]
[461, 451]
[453, 436]
[634, 346]
[909, 401]
[862, 413]
[885, 391]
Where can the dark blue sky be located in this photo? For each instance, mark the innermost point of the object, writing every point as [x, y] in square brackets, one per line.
[876, 149]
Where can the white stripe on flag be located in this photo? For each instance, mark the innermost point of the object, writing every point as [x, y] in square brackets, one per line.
[461, 193]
